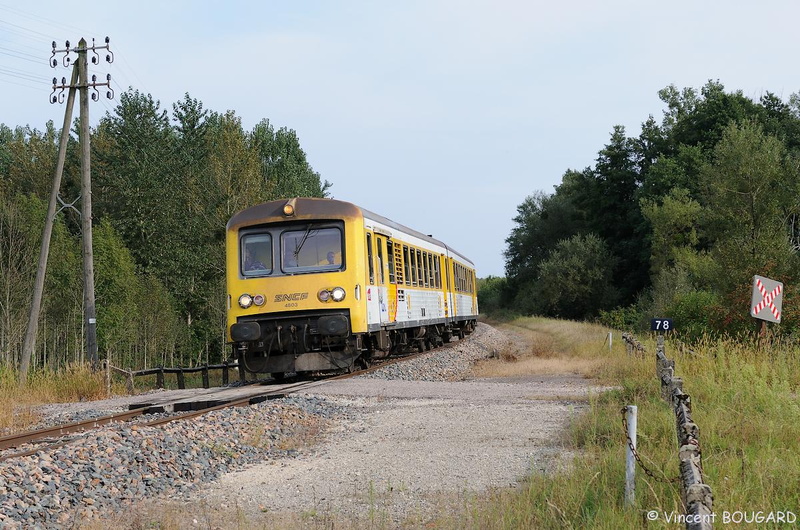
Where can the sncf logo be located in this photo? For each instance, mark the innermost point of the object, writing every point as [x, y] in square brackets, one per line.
[292, 297]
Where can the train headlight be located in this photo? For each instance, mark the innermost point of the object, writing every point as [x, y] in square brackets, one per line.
[258, 299]
[245, 301]
[337, 294]
[288, 208]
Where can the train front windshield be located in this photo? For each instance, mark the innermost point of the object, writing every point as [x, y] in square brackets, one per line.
[291, 250]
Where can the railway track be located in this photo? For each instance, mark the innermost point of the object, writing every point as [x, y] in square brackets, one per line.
[49, 438]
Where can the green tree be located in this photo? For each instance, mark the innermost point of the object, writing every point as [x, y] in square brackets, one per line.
[750, 198]
[490, 294]
[576, 279]
[284, 165]
[674, 223]
[542, 220]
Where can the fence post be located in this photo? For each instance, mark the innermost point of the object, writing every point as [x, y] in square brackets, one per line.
[205, 376]
[160, 377]
[225, 373]
[630, 462]
[181, 379]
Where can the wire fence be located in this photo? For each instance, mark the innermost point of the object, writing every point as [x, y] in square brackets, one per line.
[696, 494]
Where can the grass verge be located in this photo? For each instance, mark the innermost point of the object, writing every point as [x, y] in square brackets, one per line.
[18, 402]
[745, 403]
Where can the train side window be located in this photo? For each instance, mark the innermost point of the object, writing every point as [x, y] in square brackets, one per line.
[379, 243]
[430, 271]
[390, 260]
[419, 267]
[413, 267]
[370, 265]
[437, 277]
[406, 265]
[425, 276]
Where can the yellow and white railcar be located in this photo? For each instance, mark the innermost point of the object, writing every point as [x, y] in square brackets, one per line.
[319, 285]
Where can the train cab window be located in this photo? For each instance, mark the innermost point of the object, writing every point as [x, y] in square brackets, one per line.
[371, 265]
[256, 255]
[310, 249]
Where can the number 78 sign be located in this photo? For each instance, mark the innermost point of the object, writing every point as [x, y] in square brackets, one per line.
[767, 299]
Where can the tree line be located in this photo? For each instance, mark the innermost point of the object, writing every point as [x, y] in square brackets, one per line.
[164, 185]
[673, 222]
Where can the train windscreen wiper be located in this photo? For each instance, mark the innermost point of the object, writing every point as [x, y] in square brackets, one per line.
[299, 246]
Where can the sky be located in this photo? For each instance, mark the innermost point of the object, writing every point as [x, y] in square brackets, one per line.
[441, 115]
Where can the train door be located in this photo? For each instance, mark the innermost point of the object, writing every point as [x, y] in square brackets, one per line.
[380, 279]
[392, 256]
[373, 301]
[452, 289]
[474, 291]
[446, 290]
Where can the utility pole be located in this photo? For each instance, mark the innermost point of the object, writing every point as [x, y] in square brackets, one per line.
[79, 81]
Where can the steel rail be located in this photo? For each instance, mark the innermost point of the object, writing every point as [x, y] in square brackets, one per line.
[15, 440]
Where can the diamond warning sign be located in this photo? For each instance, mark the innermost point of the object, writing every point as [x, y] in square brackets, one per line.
[767, 299]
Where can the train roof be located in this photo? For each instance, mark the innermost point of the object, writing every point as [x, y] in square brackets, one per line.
[317, 207]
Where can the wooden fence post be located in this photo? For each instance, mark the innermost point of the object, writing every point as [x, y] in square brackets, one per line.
[204, 372]
[160, 377]
[225, 373]
[181, 379]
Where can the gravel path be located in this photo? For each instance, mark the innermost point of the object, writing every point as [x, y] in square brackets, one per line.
[413, 448]
[390, 449]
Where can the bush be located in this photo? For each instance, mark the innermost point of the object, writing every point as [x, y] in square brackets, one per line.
[693, 313]
[623, 318]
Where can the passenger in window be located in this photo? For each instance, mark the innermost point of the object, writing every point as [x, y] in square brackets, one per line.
[251, 263]
[330, 259]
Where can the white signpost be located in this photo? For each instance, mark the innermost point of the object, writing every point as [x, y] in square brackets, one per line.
[767, 299]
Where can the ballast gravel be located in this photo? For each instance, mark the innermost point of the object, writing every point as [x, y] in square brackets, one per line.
[115, 466]
[372, 451]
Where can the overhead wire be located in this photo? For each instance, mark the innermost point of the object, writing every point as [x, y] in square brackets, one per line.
[122, 70]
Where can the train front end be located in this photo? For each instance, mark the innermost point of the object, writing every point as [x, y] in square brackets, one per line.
[294, 286]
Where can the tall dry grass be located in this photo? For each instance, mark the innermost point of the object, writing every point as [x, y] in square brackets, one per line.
[18, 403]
